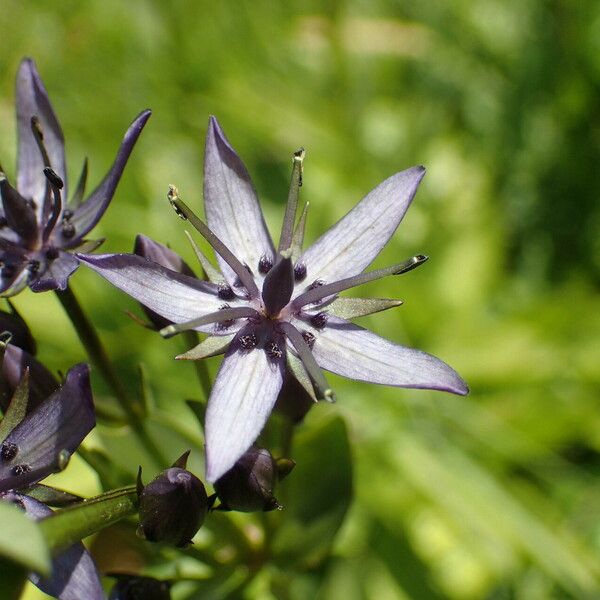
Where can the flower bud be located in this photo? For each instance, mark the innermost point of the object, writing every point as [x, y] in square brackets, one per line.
[172, 507]
[135, 587]
[248, 485]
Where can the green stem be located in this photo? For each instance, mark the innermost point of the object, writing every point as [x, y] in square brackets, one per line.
[97, 355]
[70, 525]
[192, 339]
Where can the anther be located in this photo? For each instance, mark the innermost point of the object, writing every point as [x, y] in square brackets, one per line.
[319, 320]
[172, 196]
[20, 470]
[67, 214]
[317, 283]
[265, 264]
[53, 178]
[51, 253]
[68, 230]
[309, 338]
[225, 292]
[249, 341]
[273, 350]
[225, 324]
[299, 272]
[8, 451]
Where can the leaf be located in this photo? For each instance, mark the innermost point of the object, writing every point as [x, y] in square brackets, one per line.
[316, 496]
[21, 540]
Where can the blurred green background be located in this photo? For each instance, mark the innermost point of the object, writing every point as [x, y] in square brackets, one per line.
[493, 496]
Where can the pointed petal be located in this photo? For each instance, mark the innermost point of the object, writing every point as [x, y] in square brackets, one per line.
[352, 243]
[161, 254]
[41, 382]
[74, 574]
[19, 214]
[241, 401]
[32, 100]
[231, 205]
[176, 297]
[352, 351]
[56, 275]
[45, 439]
[88, 214]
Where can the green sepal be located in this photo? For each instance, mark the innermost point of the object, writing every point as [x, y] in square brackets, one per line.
[353, 308]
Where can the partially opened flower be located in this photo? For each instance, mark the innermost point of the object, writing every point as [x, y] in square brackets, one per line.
[276, 309]
[36, 444]
[38, 228]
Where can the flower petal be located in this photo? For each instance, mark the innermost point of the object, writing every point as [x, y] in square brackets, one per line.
[352, 351]
[231, 204]
[174, 296]
[74, 575]
[241, 401]
[41, 382]
[32, 100]
[56, 274]
[354, 241]
[43, 442]
[88, 214]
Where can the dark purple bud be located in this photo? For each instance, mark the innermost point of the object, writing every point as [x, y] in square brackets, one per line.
[248, 485]
[136, 587]
[172, 507]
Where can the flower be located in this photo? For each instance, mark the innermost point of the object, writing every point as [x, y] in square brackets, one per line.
[273, 309]
[36, 444]
[37, 230]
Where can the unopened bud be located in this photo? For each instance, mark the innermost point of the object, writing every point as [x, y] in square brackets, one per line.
[172, 507]
[248, 486]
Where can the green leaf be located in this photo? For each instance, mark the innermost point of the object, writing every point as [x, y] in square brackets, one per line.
[316, 495]
[12, 581]
[21, 540]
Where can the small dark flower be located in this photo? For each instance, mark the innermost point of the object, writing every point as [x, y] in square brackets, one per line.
[41, 444]
[136, 587]
[173, 506]
[248, 486]
[291, 308]
[38, 229]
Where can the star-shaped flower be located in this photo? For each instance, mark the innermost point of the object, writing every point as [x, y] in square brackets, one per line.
[34, 444]
[273, 309]
[38, 230]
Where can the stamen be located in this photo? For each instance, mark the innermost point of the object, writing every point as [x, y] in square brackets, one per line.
[249, 341]
[316, 294]
[319, 320]
[38, 134]
[56, 184]
[273, 350]
[20, 470]
[308, 360]
[299, 272]
[287, 228]
[218, 316]
[52, 253]
[225, 292]
[265, 264]
[183, 210]
[213, 274]
[8, 451]
[309, 338]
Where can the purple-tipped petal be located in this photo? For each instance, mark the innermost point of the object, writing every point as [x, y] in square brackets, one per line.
[176, 297]
[41, 382]
[352, 351]
[74, 575]
[241, 401]
[43, 442]
[32, 100]
[231, 205]
[56, 274]
[88, 214]
[352, 244]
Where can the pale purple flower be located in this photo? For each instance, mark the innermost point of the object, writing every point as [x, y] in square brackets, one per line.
[38, 228]
[270, 309]
[41, 443]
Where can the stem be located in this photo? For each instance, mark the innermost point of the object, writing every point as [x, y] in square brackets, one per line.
[192, 339]
[97, 355]
[70, 525]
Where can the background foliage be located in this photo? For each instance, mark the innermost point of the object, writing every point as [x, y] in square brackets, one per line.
[491, 496]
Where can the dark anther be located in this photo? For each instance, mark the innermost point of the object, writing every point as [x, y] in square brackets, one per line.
[299, 271]
[319, 320]
[249, 341]
[34, 266]
[273, 350]
[8, 451]
[225, 292]
[265, 264]
[53, 178]
[315, 284]
[68, 230]
[309, 338]
[67, 214]
[51, 253]
[3, 222]
[20, 470]
[7, 271]
[221, 325]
